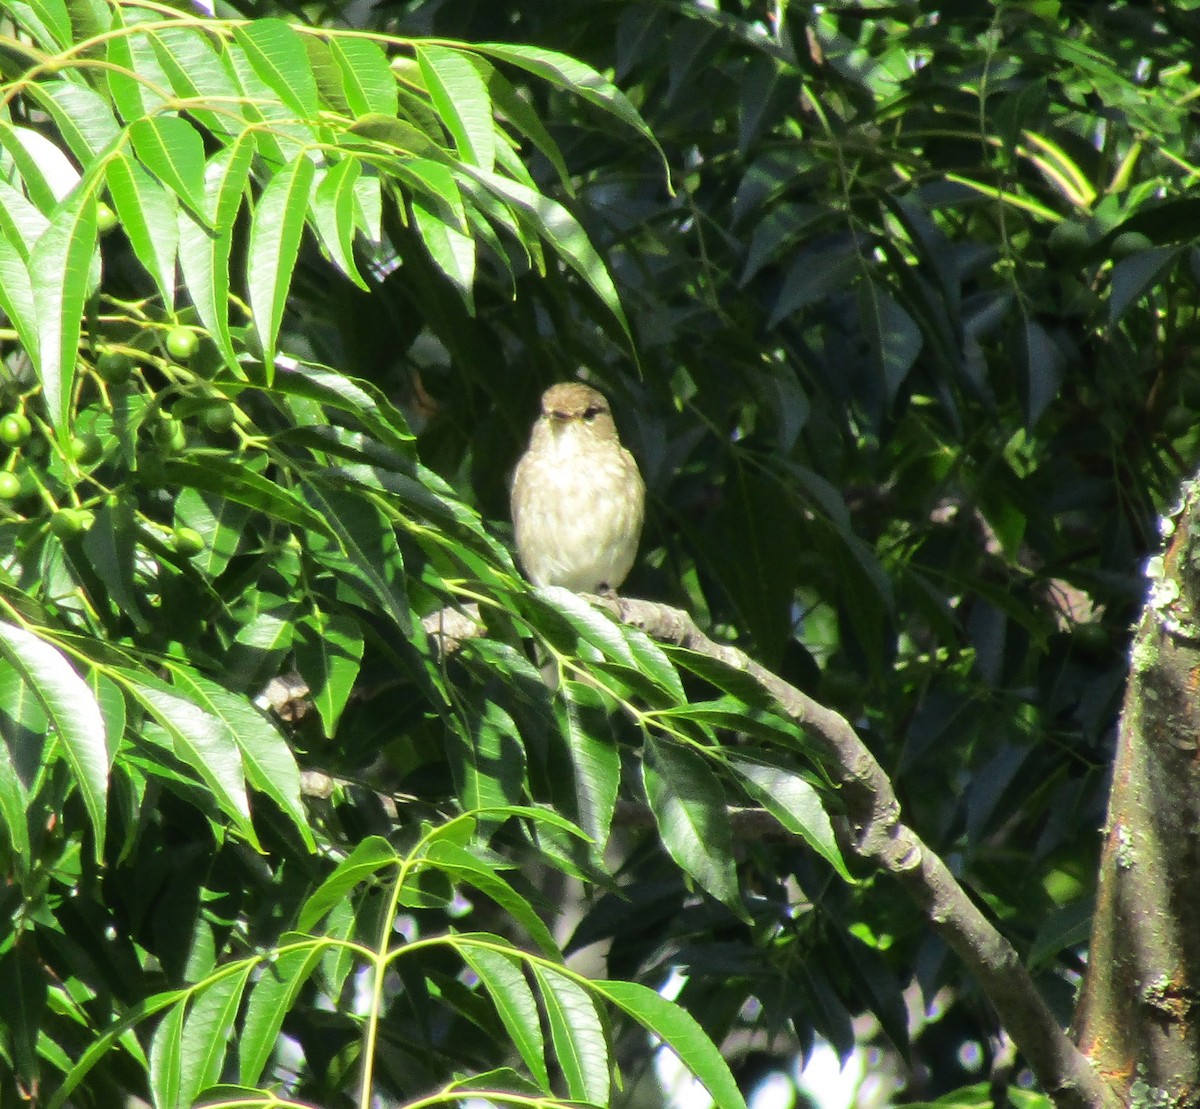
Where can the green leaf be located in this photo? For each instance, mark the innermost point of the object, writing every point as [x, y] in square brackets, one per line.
[510, 103]
[220, 522]
[166, 1064]
[464, 866]
[501, 976]
[20, 222]
[593, 625]
[328, 653]
[149, 216]
[42, 168]
[680, 1032]
[690, 808]
[794, 802]
[46, 20]
[226, 477]
[208, 1032]
[893, 339]
[595, 758]
[173, 151]
[271, 1000]
[577, 79]
[74, 713]
[109, 545]
[333, 212]
[204, 253]
[488, 761]
[268, 760]
[196, 74]
[278, 56]
[275, 235]
[451, 251]
[461, 99]
[367, 552]
[367, 859]
[16, 294]
[199, 740]
[580, 1046]
[552, 222]
[367, 79]
[82, 116]
[59, 271]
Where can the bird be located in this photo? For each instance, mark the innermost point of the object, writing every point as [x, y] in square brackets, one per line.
[578, 499]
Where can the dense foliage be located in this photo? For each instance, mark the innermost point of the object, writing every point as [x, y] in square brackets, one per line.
[895, 306]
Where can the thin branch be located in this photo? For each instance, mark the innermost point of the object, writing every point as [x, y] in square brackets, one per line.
[881, 839]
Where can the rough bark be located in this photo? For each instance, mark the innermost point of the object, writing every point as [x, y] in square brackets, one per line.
[1138, 1018]
[881, 839]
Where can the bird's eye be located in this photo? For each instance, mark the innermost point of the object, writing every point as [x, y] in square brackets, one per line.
[592, 412]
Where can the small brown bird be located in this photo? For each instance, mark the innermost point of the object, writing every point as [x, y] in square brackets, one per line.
[577, 495]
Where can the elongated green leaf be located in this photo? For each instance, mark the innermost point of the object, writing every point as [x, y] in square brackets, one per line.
[23, 729]
[795, 803]
[225, 477]
[204, 255]
[268, 760]
[206, 1036]
[279, 58]
[199, 740]
[82, 116]
[72, 709]
[690, 808]
[171, 149]
[16, 294]
[595, 757]
[509, 103]
[166, 1065]
[149, 216]
[367, 79]
[46, 20]
[463, 866]
[487, 759]
[893, 338]
[367, 552]
[328, 653]
[220, 523]
[577, 79]
[367, 859]
[593, 625]
[461, 99]
[451, 251]
[270, 1001]
[110, 548]
[333, 211]
[196, 73]
[59, 271]
[274, 244]
[580, 1046]
[552, 222]
[500, 975]
[680, 1032]
[20, 222]
[44, 170]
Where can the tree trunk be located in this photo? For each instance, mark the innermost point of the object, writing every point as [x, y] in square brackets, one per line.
[1138, 1018]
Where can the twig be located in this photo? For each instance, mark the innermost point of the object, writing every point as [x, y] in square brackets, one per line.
[881, 839]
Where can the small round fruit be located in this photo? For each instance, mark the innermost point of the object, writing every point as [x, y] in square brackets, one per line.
[106, 218]
[85, 449]
[10, 485]
[218, 418]
[14, 429]
[1130, 242]
[114, 367]
[181, 343]
[1179, 420]
[1068, 238]
[187, 541]
[67, 523]
[169, 435]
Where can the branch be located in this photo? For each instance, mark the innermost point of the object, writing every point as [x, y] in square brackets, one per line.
[881, 839]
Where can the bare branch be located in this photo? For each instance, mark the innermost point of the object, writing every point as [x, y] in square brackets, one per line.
[881, 839]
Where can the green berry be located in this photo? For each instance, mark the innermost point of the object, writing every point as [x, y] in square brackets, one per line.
[106, 218]
[169, 435]
[1068, 239]
[187, 541]
[10, 485]
[85, 449]
[182, 343]
[1130, 242]
[114, 367]
[14, 429]
[67, 523]
[218, 418]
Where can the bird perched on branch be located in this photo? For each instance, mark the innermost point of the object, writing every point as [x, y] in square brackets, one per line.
[577, 496]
